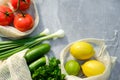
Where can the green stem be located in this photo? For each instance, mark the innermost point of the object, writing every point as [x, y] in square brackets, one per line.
[7, 48]
[26, 1]
[27, 45]
[8, 45]
[22, 13]
[18, 6]
[8, 53]
[5, 54]
[22, 41]
[37, 41]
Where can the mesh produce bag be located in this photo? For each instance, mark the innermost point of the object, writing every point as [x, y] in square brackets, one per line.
[15, 68]
[13, 33]
[100, 55]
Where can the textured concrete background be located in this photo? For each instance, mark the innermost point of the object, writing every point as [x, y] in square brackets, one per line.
[83, 19]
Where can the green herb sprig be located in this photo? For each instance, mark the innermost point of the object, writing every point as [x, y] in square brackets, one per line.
[49, 72]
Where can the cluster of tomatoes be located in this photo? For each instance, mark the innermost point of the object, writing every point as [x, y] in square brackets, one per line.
[21, 21]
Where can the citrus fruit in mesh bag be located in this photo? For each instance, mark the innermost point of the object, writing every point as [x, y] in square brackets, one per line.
[93, 68]
[82, 50]
[72, 67]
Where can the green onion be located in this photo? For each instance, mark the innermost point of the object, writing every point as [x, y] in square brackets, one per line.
[24, 40]
[27, 43]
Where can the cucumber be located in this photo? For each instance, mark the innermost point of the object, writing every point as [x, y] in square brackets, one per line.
[36, 64]
[36, 52]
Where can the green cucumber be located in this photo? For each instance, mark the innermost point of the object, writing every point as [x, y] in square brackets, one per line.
[36, 52]
[36, 64]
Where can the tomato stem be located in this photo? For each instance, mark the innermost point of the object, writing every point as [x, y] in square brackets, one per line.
[6, 13]
[26, 1]
[18, 5]
[22, 13]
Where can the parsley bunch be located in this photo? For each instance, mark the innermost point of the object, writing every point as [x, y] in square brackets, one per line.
[49, 72]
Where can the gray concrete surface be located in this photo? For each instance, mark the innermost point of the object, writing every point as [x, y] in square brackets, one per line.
[82, 19]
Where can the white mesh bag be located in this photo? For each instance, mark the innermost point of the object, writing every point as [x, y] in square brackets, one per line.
[13, 33]
[101, 55]
[15, 68]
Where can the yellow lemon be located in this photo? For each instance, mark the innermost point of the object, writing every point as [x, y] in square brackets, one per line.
[93, 68]
[82, 50]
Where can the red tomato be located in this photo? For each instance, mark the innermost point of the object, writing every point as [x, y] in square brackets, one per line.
[24, 4]
[6, 15]
[23, 23]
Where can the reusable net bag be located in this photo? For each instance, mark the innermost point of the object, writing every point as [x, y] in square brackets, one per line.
[13, 33]
[101, 54]
[15, 68]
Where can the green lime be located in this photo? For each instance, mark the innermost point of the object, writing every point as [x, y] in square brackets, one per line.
[72, 67]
